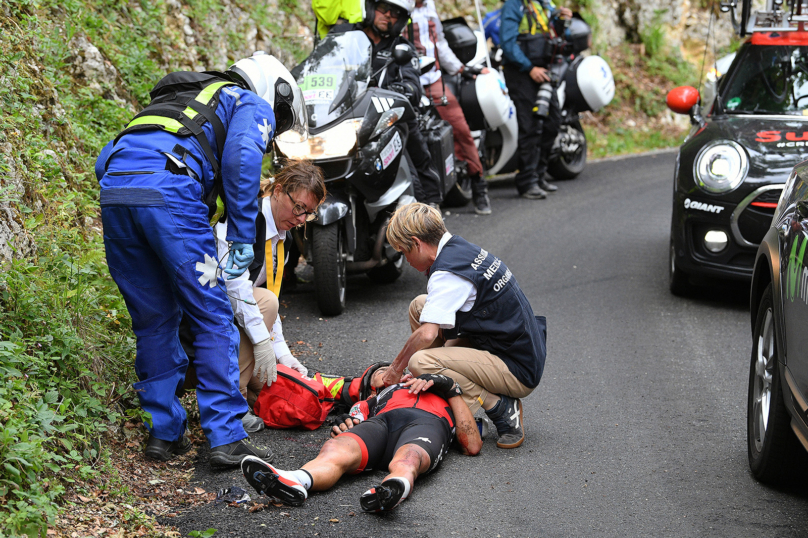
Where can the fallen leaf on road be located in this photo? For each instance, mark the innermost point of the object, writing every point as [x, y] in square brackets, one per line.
[285, 514]
[84, 499]
[334, 520]
[352, 514]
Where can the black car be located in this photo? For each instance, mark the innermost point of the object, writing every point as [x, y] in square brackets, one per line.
[777, 424]
[732, 166]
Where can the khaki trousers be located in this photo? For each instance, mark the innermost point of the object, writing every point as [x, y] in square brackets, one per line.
[249, 386]
[477, 372]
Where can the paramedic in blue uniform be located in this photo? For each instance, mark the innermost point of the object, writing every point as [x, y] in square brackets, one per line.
[195, 151]
[474, 324]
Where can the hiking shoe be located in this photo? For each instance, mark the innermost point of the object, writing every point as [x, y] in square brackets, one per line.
[508, 420]
[159, 450]
[252, 423]
[384, 497]
[547, 186]
[534, 193]
[482, 204]
[231, 455]
[265, 479]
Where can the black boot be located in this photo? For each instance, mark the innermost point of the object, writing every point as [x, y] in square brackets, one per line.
[546, 185]
[479, 194]
[159, 450]
[507, 417]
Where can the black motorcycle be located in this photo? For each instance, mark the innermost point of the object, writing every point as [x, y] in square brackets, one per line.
[357, 136]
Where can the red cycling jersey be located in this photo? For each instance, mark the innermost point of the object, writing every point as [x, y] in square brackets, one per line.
[399, 397]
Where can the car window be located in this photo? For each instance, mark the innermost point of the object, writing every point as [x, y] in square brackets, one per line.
[769, 80]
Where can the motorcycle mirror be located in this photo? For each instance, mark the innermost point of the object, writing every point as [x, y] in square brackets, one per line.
[682, 99]
[426, 63]
[402, 54]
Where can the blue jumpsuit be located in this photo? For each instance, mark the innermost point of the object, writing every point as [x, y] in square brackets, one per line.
[161, 252]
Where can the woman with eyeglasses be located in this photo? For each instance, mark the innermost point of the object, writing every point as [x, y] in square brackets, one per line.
[287, 201]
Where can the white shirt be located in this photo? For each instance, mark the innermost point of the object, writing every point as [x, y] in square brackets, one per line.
[248, 316]
[422, 17]
[447, 294]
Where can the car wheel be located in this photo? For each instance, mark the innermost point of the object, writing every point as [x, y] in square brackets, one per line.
[774, 451]
[329, 255]
[678, 280]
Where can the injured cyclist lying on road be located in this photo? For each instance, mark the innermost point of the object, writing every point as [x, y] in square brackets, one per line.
[406, 428]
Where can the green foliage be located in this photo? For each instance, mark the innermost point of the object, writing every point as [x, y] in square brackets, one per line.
[202, 534]
[65, 355]
[653, 37]
[620, 140]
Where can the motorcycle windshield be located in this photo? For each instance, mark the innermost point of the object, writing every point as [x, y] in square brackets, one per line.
[335, 75]
[769, 80]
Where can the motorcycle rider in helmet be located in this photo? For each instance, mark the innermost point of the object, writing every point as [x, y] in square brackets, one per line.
[524, 25]
[382, 22]
[192, 154]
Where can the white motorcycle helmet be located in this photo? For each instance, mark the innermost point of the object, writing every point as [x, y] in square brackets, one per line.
[264, 75]
[369, 14]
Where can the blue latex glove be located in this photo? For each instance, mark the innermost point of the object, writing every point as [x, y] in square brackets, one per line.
[241, 256]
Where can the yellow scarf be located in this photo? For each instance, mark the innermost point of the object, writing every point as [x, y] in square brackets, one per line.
[274, 278]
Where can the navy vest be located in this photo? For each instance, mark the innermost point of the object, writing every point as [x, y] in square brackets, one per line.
[501, 320]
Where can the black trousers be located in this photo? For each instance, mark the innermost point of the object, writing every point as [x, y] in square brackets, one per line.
[431, 190]
[536, 135]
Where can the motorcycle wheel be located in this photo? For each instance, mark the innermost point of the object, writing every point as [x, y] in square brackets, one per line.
[329, 255]
[387, 273]
[569, 167]
[460, 193]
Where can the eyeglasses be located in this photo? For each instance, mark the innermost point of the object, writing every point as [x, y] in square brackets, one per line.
[386, 9]
[298, 210]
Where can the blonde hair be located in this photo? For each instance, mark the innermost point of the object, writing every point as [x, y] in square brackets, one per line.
[415, 220]
[297, 175]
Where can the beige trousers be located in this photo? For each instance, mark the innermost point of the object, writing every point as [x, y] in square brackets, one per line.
[477, 372]
[249, 386]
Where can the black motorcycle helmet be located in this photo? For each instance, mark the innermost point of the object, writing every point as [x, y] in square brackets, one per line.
[369, 14]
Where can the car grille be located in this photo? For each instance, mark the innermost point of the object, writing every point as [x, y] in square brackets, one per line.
[753, 216]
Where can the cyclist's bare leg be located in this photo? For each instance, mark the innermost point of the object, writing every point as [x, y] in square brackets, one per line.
[408, 462]
[338, 456]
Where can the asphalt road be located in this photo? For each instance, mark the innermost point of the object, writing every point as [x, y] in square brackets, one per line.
[638, 425]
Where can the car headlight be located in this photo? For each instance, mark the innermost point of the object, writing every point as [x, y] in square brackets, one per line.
[721, 166]
[337, 141]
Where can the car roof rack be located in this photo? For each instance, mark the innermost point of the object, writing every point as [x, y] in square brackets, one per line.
[779, 16]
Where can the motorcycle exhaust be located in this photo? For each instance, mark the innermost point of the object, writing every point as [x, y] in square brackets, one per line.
[376, 258]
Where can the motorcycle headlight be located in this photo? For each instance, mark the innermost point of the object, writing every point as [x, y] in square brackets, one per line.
[389, 117]
[721, 166]
[337, 141]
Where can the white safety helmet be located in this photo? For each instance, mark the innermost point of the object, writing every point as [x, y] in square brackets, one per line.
[369, 9]
[266, 76]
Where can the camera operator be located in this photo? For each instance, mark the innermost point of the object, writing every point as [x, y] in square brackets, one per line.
[524, 37]
[382, 23]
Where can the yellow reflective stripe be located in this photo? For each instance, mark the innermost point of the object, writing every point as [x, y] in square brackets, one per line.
[190, 112]
[167, 123]
[219, 211]
[205, 95]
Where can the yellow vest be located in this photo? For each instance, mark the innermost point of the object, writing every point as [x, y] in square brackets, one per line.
[527, 24]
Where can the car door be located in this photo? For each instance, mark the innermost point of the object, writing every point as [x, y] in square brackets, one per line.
[794, 280]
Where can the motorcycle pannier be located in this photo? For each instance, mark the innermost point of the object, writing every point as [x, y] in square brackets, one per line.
[461, 39]
[441, 147]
